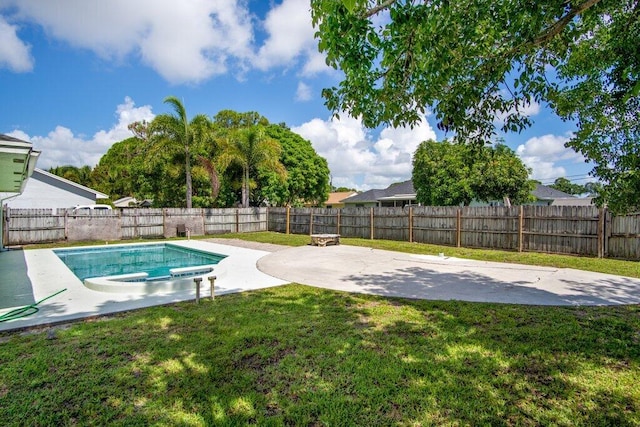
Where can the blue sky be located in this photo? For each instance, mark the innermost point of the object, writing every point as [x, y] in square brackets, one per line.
[75, 73]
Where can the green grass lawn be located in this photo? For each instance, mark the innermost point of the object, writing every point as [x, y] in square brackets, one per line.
[297, 355]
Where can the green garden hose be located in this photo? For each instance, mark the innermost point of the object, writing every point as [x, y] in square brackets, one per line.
[27, 310]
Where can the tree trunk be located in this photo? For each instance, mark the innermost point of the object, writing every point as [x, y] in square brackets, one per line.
[188, 176]
[214, 177]
[245, 188]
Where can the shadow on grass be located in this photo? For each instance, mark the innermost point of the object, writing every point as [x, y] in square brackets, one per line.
[303, 356]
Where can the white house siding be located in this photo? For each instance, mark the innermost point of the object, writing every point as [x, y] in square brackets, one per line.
[43, 191]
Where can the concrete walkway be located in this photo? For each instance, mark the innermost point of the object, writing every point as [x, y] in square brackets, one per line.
[372, 271]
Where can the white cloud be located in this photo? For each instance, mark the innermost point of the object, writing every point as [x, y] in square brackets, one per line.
[14, 54]
[290, 36]
[316, 63]
[61, 147]
[183, 41]
[303, 93]
[358, 159]
[542, 154]
[186, 41]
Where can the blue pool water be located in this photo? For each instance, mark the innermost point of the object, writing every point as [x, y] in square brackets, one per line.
[156, 260]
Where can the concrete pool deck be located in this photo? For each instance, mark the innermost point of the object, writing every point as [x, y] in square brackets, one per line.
[29, 276]
[395, 274]
[38, 273]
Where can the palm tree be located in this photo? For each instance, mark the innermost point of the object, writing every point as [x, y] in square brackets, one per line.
[252, 150]
[177, 130]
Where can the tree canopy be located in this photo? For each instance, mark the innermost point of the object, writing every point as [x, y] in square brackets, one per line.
[473, 61]
[282, 167]
[565, 185]
[307, 177]
[448, 174]
[80, 175]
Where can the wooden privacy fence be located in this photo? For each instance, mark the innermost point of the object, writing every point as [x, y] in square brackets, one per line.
[579, 230]
[556, 229]
[25, 226]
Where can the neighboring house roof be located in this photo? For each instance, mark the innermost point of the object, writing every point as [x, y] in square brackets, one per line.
[406, 191]
[17, 162]
[398, 191]
[132, 202]
[339, 196]
[405, 187]
[125, 202]
[74, 185]
[542, 192]
[368, 196]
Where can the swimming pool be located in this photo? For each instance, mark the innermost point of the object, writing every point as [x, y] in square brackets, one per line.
[117, 268]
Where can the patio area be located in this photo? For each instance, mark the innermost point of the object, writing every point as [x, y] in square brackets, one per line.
[33, 275]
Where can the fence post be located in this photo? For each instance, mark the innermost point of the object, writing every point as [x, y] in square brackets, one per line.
[204, 225]
[371, 223]
[237, 220]
[3, 230]
[520, 228]
[164, 222]
[66, 224]
[311, 222]
[458, 227]
[136, 230]
[288, 217]
[607, 231]
[410, 224]
[601, 222]
[339, 220]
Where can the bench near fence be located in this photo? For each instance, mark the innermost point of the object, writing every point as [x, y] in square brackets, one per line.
[577, 230]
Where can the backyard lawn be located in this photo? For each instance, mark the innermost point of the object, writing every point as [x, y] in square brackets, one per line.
[297, 355]
[303, 356]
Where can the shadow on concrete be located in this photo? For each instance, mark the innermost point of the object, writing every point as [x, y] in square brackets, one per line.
[421, 283]
[387, 273]
[15, 286]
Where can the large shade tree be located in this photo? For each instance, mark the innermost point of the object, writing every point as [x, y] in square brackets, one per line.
[307, 179]
[135, 168]
[447, 174]
[470, 61]
[121, 171]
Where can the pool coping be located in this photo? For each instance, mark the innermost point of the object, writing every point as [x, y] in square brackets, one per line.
[48, 275]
